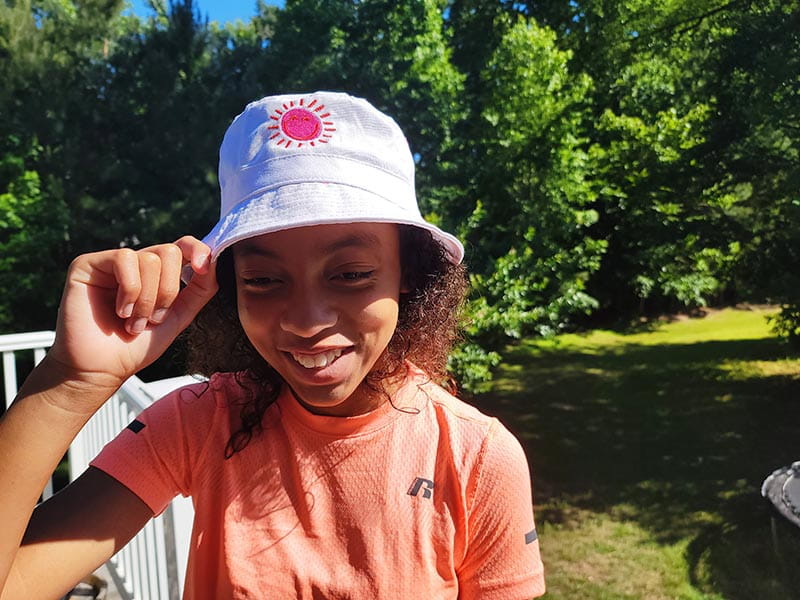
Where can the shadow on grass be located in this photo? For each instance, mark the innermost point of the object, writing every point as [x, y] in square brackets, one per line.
[677, 438]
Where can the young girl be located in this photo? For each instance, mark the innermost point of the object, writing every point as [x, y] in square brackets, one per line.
[322, 458]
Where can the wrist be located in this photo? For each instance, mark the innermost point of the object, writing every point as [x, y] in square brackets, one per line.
[76, 392]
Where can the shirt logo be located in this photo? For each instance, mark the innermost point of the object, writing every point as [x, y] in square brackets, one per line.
[426, 485]
[531, 537]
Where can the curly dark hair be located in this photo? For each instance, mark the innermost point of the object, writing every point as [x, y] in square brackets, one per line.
[427, 329]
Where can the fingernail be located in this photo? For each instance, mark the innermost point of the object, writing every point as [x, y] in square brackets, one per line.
[138, 325]
[186, 273]
[158, 315]
[126, 311]
[201, 261]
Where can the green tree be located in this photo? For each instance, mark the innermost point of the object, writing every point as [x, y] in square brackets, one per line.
[673, 238]
[33, 229]
[755, 146]
[530, 194]
[46, 48]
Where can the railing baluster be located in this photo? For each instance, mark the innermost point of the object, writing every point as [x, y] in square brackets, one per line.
[38, 355]
[48, 490]
[159, 556]
[150, 558]
[127, 565]
[142, 559]
[135, 568]
[10, 376]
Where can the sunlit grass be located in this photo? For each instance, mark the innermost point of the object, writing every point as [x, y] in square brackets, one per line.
[721, 325]
[610, 558]
[648, 449]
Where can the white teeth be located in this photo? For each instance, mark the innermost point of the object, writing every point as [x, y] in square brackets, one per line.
[317, 361]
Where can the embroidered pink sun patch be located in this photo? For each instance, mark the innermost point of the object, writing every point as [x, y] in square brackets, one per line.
[301, 123]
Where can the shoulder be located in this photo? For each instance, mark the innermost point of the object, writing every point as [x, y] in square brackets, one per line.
[195, 406]
[436, 397]
[469, 430]
[455, 407]
[451, 409]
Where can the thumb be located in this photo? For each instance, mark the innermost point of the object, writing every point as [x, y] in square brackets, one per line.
[194, 296]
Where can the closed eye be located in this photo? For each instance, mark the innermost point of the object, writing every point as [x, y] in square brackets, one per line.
[353, 276]
[259, 281]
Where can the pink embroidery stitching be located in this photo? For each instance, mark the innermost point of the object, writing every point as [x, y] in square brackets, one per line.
[299, 123]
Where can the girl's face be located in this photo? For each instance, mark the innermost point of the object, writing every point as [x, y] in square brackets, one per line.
[320, 305]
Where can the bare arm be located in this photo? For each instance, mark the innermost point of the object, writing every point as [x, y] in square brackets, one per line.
[72, 534]
[120, 311]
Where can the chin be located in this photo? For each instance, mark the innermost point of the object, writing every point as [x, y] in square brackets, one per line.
[344, 401]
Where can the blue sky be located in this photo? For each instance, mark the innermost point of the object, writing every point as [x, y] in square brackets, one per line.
[216, 10]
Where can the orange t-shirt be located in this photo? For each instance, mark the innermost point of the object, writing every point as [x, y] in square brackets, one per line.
[424, 497]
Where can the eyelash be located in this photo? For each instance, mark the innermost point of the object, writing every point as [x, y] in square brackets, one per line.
[259, 281]
[346, 276]
[355, 275]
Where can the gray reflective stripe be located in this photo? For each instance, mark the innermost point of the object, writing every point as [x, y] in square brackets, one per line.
[531, 537]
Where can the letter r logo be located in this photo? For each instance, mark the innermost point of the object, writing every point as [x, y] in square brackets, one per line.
[426, 485]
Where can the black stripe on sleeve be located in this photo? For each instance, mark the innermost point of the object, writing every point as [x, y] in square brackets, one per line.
[136, 426]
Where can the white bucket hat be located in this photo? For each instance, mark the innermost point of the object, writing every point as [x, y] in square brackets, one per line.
[312, 159]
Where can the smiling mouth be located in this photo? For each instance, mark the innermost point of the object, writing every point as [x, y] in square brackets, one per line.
[317, 361]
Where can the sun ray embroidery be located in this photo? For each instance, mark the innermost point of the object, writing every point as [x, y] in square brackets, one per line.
[298, 123]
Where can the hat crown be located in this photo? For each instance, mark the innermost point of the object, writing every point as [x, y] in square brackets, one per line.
[296, 138]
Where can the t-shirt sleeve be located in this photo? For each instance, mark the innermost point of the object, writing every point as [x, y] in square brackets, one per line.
[156, 454]
[502, 558]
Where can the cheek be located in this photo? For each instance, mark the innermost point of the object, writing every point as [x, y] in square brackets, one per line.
[380, 318]
[255, 320]
[245, 311]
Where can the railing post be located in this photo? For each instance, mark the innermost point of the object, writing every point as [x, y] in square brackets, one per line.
[38, 341]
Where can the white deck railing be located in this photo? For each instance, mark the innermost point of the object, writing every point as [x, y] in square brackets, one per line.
[152, 565]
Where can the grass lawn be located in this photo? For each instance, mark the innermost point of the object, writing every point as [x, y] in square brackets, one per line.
[648, 450]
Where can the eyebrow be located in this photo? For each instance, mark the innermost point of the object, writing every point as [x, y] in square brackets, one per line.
[250, 249]
[358, 240]
[362, 239]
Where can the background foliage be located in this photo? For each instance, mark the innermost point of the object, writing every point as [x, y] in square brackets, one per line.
[602, 160]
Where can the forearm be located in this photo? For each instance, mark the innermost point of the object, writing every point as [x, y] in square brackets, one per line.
[35, 433]
[120, 310]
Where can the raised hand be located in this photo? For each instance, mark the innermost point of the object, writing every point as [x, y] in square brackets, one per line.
[122, 308]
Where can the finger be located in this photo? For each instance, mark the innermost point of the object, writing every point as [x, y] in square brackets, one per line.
[149, 276]
[193, 297]
[125, 267]
[195, 253]
[171, 259]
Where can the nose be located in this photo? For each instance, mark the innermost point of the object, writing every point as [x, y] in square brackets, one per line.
[307, 314]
